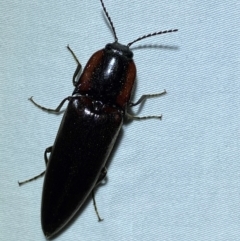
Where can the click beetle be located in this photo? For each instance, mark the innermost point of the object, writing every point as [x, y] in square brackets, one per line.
[92, 120]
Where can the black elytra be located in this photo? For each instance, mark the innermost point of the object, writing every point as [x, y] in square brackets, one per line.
[88, 131]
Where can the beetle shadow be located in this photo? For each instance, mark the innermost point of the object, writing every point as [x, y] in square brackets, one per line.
[155, 46]
[96, 189]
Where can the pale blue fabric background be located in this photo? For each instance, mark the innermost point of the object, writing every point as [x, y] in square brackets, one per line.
[174, 180]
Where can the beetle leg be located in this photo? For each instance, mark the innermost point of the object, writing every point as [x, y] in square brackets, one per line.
[95, 207]
[50, 110]
[140, 100]
[101, 177]
[78, 69]
[49, 149]
[144, 97]
[29, 180]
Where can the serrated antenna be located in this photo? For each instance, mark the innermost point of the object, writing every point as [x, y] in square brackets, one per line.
[152, 34]
[110, 21]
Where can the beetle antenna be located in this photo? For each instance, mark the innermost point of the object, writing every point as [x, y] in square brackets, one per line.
[110, 21]
[152, 34]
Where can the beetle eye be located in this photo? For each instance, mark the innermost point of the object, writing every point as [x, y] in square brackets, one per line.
[108, 47]
[129, 54]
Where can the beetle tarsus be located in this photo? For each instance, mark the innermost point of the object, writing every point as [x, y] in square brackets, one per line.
[49, 149]
[101, 177]
[140, 100]
[29, 180]
[57, 110]
[144, 97]
[95, 207]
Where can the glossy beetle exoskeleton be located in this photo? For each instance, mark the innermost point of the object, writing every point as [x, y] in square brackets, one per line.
[88, 131]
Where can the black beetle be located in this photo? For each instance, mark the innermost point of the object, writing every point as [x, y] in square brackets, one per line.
[88, 131]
